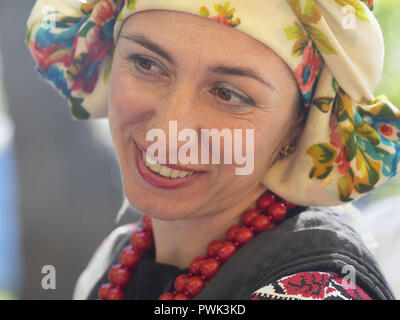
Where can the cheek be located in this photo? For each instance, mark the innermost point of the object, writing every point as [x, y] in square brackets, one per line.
[129, 102]
[121, 98]
[269, 134]
[122, 112]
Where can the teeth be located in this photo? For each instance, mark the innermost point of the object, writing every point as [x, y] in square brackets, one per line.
[174, 173]
[156, 167]
[149, 160]
[183, 174]
[163, 170]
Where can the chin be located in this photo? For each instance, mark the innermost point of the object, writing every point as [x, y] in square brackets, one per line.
[156, 206]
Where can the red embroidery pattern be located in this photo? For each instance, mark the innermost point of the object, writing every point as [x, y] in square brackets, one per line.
[310, 286]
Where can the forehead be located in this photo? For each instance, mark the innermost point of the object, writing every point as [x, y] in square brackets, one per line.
[188, 31]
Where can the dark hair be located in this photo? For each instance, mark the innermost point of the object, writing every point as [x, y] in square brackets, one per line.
[299, 107]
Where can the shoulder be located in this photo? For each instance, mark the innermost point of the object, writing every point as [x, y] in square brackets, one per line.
[331, 226]
[308, 253]
[101, 259]
[346, 214]
[313, 285]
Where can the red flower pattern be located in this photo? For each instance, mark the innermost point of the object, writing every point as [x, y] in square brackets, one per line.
[306, 284]
[307, 70]
[386, 130]
[310, 285]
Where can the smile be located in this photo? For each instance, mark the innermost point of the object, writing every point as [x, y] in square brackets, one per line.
[164, 170]
[168, 176]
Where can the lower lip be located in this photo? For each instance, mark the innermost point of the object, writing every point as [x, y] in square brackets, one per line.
[158, 180]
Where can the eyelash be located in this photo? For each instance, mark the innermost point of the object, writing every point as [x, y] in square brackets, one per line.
[247, 101]
[136, 59]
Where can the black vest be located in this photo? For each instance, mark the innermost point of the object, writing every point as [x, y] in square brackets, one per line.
[317, 239]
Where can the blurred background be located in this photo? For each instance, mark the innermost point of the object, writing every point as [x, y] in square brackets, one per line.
[60, 186]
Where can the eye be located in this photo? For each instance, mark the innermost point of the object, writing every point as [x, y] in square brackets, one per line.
[228, 95]
[145, 66]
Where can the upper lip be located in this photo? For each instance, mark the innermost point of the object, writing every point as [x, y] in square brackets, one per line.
[170, 165]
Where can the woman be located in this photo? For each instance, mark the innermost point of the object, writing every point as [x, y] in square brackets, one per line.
[290, 73]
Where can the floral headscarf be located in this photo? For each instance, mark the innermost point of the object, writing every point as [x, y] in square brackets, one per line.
[350, 141]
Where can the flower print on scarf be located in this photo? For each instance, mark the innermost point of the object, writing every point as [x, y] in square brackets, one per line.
[51, 49]
[359, 146]
[386, 130]
[336, 141]
[384, 117]
[359, 9]
[131, 4]
[310, 17]
[70, 56]
[307, 71]
[98, 38]
[224, 14]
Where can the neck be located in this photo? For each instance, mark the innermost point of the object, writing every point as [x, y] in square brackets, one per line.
[179, 242]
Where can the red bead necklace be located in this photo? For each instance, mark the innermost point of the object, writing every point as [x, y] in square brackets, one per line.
[270, 210]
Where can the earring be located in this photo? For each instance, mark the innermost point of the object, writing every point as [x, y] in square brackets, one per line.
[286, 150]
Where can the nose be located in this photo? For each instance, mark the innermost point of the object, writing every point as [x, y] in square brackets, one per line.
[181, 106]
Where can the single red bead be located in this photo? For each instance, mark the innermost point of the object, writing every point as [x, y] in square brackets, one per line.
[194, 285]
[103, 291]
[277, 211]
[115, 294]
[244, 235]
[196, 265]
[231, 232]
[180, 296]
[249, 216]
[213, 248]
[288, 204]
[265, 201]
[261, 223]
[180, 282]
[141, 240]
[166, 296]
[210, 267]
[129, 257]
[146, 223]
[119, 275]
[226, 251]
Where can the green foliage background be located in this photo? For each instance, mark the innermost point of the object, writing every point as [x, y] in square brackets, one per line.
[388, 14]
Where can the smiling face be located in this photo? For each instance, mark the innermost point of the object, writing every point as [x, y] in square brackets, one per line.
[174, 66]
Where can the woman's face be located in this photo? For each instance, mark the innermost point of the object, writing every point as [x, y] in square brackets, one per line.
[174, 66]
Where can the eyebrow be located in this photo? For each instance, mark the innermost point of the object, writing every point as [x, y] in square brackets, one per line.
[219, 69]
[244, 72]
[143, 41]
